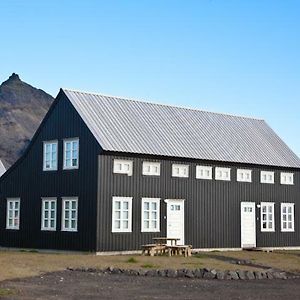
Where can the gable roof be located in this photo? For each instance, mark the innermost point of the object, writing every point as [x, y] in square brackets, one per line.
[132, 126]
[2, 168]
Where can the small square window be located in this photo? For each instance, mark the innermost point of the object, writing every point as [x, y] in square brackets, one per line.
[123, 167]
[71, 154]
[179, 170]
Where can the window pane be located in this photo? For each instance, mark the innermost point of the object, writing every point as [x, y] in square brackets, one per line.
[264, 208]
[46, 223]
[67, 204]
[290, 225]
[290, 210]
[289, 217]
[125, 215]
[117, 224]
[52, 223]
[284, 225]
[154, 215]
[117, 215]
[284, 217]
[66, 224]
[46, 214]
[270, 225]
[153, 224]
[146, 215]
[270, 209]
[125, 205]
[68, 146]
[73, 224]
[52, 205]
[74, 204]
[117, 204]
[146, 224]
[146, 205]
[125, 224]
[153, 205]
[75, 145]
[73, 214]
[284, 209]
[66, 214]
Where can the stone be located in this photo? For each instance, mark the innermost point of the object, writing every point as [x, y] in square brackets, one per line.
[270, 275]
[171, 273]
[162, 273]
[250, 275]
[209, 275]
[199, 273]
[242, 274]
[142, 272]
[234, 275]
[152, 273]
[116, 271]
[258, 275]
[279, 275]
[181, 272]
[189, 274]
[220, 275]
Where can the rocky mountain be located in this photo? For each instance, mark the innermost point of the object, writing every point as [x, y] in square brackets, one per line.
[22, 108]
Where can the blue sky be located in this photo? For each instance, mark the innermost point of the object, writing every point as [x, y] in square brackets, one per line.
[239, 57]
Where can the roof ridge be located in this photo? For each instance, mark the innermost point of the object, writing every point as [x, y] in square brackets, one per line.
[163, 104]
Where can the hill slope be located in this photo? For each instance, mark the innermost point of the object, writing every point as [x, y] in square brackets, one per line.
[22, 108]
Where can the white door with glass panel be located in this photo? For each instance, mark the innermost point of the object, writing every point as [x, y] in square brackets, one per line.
[175, 220]
[248, 225]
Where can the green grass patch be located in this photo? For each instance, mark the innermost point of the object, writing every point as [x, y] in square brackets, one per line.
[132, 260]
[148, 266]
[5, 292]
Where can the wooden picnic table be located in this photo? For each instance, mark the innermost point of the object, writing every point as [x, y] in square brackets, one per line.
[164, 240]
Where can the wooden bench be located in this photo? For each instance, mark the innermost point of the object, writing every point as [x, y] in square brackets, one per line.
[152, 249]
[185, 250]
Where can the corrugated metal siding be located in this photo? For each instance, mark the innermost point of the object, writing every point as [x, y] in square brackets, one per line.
[131, 126]
[212, 208]
[27, 181]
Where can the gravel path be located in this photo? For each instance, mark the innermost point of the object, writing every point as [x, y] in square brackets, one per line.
[81, 285]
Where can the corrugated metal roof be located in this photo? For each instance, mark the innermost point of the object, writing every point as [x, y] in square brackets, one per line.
[133, 126]
[2, 168]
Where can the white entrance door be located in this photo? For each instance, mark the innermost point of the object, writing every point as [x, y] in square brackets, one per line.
[248, 225]
[175, 220]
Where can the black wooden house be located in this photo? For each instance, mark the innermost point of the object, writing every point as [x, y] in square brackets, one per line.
[104, 173]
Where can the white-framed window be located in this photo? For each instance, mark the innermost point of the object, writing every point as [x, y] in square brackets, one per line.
[122, 214]
[123, 166]
[48, 214]
[267, 216]
[203, 172]
[222, 174]
[287, 217]
[13, 214]
[267, 177]
[50, 156]
[71, 154]
[244, 175]
[151, 168]
[69, 214]
[150, 214]
[179, 170]
[287, 178]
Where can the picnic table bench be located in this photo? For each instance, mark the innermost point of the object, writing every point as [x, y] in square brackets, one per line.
[161, 247]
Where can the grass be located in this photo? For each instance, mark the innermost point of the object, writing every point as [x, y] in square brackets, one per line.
[132, 260]
[5, 292]
[16, 264]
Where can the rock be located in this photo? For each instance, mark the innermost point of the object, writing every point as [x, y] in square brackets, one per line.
[199, 273]
[189, 274]
[279, 275]
[181, 272]
[209, 275]
[220, 275]
[162, 273]
[116, 271]
[171, 273]
[142, 272]
[242, 274]
[250, 275]
[151, 273]
[234, 275]
[258, 275]
[270, 275]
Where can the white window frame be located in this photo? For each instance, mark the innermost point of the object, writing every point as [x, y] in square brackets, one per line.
[284, 178]
[123, 163]
[207, 172]
[72, 167]
[15, 225]
[292, 221]
[223, 173]
[151, 168]
[121, 219]
[183, 170]
[51, 143]
[242, 174]
[150, 211]
[268, 229]
[267, 174]
[70, 219]
[49, 219]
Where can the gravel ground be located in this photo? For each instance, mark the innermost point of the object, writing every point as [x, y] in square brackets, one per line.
[81, 285]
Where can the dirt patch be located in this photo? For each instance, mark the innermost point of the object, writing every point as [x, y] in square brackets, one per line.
[81, 285]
